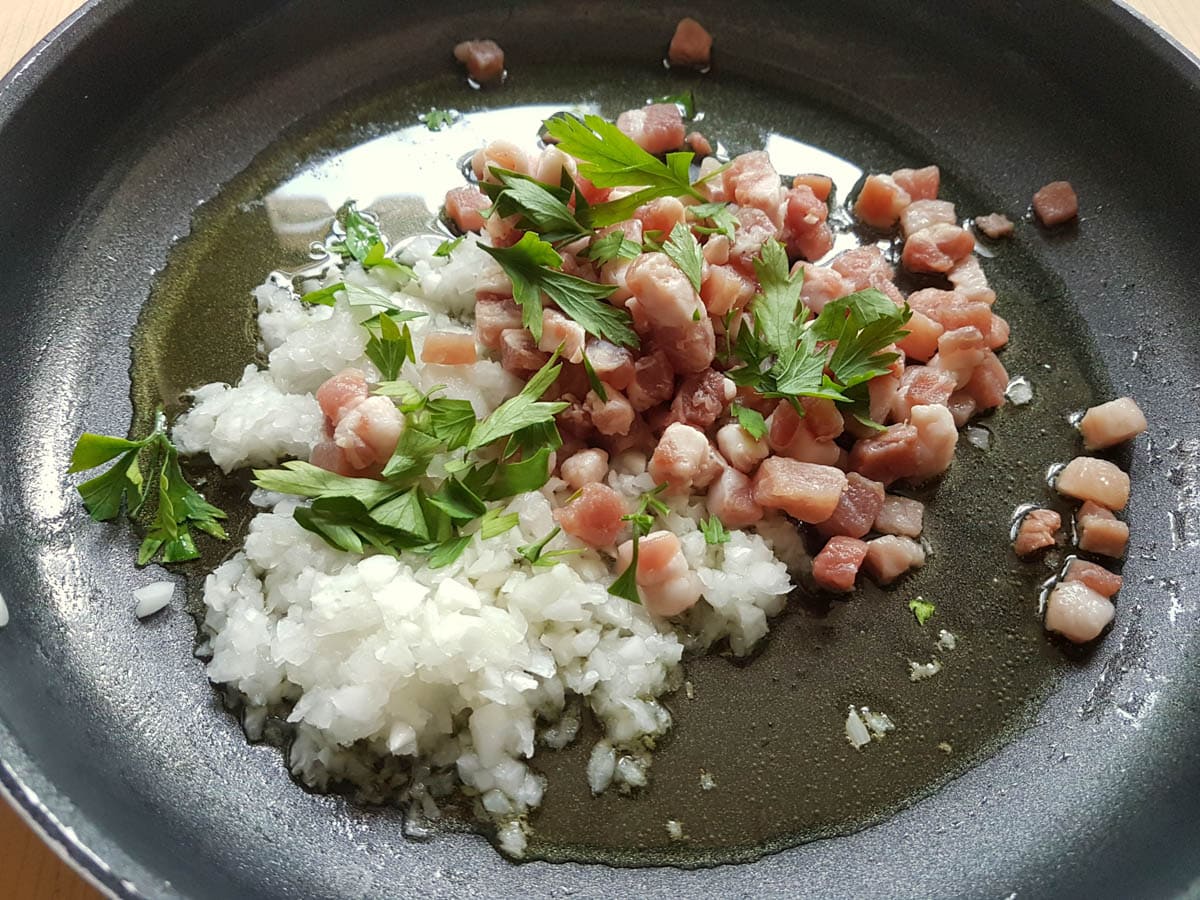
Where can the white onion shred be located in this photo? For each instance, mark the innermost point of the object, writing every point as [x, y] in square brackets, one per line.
[3, 612]
[921, 671]
[153, 597]
[1019, 391]
[978, 437]
[675, 830]
[601, 766]
[856, 731]
[878, 723]
[947, 640]
[707, 782]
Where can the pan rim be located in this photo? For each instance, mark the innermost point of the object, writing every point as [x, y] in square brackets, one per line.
[55, 50]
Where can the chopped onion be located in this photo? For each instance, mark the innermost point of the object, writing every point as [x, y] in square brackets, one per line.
[920, 671]
[675, 830]
[947, 640]
[856, 731]
[979, 437]
[1019, 391]
[153, 597]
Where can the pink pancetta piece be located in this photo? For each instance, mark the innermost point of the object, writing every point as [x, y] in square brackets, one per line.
[837, 565]
[716, 250]
[612, 364]
[666, 585]
[890, 556]
[887, 456]
[594, 516]
[367, 434]
[951, 310]
[960, 352]
[988, 383]
[1056, 203]
[809, 439]
[900, 515]
[936, 439]
[969, 280]
[921, 214]
[880, 202]
[653, 381]
[920, 184]
[698, 144]
[1098, 480]
[997, 334]
[612, 416]
[519, 352]
[725, 288]
[1099, 531]
[994, 226]
[661, 216]
[1098, 578]
[663, 292]
[657, 128]
[563, 334]
[684, 459]
[821, 185]
[731, 499]
[863, 267]
[702, 398]
[754, 229]
[1077, 612]
[938, 249]
[821, 285]
[464, 207]
[484, 60]
[587, 466]
[690, 348]
[500, 155]
[921, 386]
[449, 348]
[341, 393]
[1038, 529]
[805, 491]
[751, 181]
[1111, 423]
[920, 343]
[742, 451]
[857, 508]
[807, 234]
[493, 317]
[691, 45]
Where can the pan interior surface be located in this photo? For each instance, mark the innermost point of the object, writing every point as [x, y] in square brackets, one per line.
[140, 756]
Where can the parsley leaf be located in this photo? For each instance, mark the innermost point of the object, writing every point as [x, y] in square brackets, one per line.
[539, 206]
[863, 324]
[686, 101]
[451, 421]
[516, 478]
[684, 251]
[306, 480]
[594, 381]
[521, 411]
[609, 158]
[714, 531]
[533, 552]
[448, 551]
[389, 347]
[437, 119]
[921, 608]
[495, 523]
[446, 247]
[326, 296]
[751, 420]
[613, 245]
[719, 214]
[360, 233]
[641, 522]
[528, 264]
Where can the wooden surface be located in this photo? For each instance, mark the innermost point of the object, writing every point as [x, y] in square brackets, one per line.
[28, 869]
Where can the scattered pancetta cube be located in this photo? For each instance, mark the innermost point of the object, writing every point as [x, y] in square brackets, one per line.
[1038, 529]
[995, 226]
[657, 128]
[805, 491]
[691, 45]
[857, 508]
[837, 565]
[890, 556]
[1099, 531]
[1077, 612]
[1056, 203]
[900, 515]
[1098, 480]
[668, 586]
[1098, 578]
[483, 59]
[449, 348]
[1111, 423]
[881, 201]
[594, 516]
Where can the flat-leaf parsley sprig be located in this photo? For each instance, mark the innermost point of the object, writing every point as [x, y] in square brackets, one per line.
[177, 506]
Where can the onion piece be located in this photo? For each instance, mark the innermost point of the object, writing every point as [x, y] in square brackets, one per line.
[153, 597]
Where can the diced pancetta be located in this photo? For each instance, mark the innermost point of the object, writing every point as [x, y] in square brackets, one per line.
[1056, 203]
[1077, 612]
[900, 515]
[1111, 423]
[1099, 531]
[1098, 480]
[691, 45]
[837, 565]
[1098, 578]
[657, 128]
[890, 556]
[857, 508]
[1038, 530]
[805, 491]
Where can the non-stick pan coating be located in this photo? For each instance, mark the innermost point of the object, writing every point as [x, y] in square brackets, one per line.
[115, 131]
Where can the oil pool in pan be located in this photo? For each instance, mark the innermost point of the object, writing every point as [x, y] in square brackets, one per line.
[768, 730]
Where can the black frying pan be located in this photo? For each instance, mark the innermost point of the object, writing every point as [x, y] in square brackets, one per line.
[115, 131]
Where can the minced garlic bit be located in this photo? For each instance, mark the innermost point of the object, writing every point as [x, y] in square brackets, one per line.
[863, 725]
[947, 640]
[675, 830]
[707, 782]
[945, 748]
[689, 690]
[919, 671]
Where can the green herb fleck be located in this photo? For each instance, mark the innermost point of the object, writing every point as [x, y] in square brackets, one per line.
[437, 119]
[714, 531]
[684, 251]
[921, 608]
[751, 420]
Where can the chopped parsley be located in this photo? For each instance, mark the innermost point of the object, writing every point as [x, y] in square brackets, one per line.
[684, 250]
[641, 521]
[751, 420]
[446, 247]
[611, 247]
[437, 119]
[714, 531]
[173, 506]
[921, 608]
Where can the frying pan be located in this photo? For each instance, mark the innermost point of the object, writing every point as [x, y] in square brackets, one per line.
[137, 111]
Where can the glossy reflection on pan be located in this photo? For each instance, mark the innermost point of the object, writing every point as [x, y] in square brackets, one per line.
[139, 758]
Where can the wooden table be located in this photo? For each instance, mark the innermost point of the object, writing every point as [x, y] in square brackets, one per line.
[29, 870]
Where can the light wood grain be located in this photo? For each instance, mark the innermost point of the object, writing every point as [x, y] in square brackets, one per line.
[29, 870]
